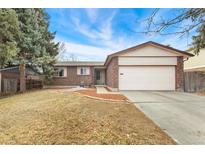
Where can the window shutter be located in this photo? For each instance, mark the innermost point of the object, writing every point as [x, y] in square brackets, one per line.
[78, 71]
[88, 71]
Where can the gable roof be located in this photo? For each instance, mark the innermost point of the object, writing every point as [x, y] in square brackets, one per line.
[148, 43]
[79, 63]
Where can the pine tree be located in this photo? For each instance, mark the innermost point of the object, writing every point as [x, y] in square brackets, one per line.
[9, 30]
[36, 44]
[199, 40]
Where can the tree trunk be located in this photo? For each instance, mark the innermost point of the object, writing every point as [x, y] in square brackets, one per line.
[22, 78]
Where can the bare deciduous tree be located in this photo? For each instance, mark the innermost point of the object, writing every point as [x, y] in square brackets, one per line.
[64, 55]
[183, 22]
[194, 18]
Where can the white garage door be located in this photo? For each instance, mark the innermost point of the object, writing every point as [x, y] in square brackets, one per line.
[147, 78]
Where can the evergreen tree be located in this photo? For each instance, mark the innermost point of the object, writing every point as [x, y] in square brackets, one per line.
[37, 48]
[9, 30]
[199, 40]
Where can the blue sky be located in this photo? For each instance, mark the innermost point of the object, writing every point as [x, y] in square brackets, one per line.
[92, 34]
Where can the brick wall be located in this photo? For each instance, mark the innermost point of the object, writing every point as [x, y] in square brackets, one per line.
[73, 79]
[180, 74]
[112, 73]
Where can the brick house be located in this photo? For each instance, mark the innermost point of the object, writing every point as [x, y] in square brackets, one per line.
[148, 66]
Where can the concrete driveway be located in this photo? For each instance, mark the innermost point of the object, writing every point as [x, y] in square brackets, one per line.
[181, 115]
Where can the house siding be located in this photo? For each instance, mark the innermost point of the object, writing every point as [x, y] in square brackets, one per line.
[180, 74]
[112, 73]
[126, 61]
[196, 63]
[72, 79]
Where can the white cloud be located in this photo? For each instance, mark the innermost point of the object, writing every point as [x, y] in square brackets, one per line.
[176, 42]
[83, 29]
[89, 52]
[83, 52]
[118, 43]
[92, 14]
[104, 31]
[103, 36]
[106, 28]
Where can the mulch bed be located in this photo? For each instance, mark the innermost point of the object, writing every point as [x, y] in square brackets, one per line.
[201, 93]
[93, 93]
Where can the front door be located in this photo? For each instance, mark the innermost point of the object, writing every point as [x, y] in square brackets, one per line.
[100, 77]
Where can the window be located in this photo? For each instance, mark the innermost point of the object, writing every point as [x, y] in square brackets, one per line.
[60, 72]
[97, 75]
[83, 71]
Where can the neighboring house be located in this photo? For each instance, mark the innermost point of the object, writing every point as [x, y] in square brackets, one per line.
[195, 63]
[12, 74]
[194, 68]
[148, 66]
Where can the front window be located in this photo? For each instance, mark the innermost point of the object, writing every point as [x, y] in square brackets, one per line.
[60, 72]
[83, 71]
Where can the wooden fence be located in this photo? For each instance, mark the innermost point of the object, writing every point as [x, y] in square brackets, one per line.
[34, 84]
[13, 85]
[9, 86]
[194, 81]
[31, 84]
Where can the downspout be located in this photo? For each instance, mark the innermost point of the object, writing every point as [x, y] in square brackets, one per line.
[184, 72]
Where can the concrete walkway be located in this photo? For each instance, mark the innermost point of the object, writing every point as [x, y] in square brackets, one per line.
[103, 90]
[181, 115]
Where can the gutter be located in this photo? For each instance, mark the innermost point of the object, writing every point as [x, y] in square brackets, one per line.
[9, 68]
[186, 59]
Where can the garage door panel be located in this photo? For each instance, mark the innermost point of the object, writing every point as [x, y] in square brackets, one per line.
[147, 78]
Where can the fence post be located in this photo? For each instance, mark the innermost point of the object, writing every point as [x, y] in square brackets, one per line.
[22, 78]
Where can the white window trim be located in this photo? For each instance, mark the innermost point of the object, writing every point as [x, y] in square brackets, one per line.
[86, 68]
[65, 72]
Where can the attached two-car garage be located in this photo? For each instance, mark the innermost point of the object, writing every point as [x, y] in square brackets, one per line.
[148, 66]
[147, 78]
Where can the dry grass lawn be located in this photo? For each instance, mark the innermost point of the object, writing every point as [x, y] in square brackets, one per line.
[59, 117]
